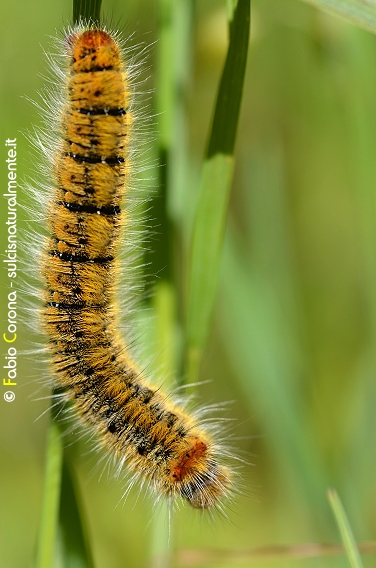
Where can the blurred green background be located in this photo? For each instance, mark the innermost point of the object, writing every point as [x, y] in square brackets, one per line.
[294, 329]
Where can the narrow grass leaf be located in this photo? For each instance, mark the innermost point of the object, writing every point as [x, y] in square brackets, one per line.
[358, 12]
[158, 260]
[214, 192]
[51, 497]
[227, 108]
[75, 549]
[86, 9]
[206, 254]
[161, 553]
[345, 530]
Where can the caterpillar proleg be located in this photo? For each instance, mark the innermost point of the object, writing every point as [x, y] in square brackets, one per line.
[136, 422]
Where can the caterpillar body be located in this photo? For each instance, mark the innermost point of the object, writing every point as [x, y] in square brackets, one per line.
[137, 423]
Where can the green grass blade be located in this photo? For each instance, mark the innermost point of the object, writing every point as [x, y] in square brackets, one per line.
[159, 260]
[87, 10]
[60, 507]
[226, 114]
[161, 553]
[361, 13]
[345, 530]
[75, 549]
[214, 192]
[206, 255]
[51, 496]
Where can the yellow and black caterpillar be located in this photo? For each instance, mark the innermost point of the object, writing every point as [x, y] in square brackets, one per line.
[135, 421]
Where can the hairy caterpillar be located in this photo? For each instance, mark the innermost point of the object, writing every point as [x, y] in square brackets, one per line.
[135, 421]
